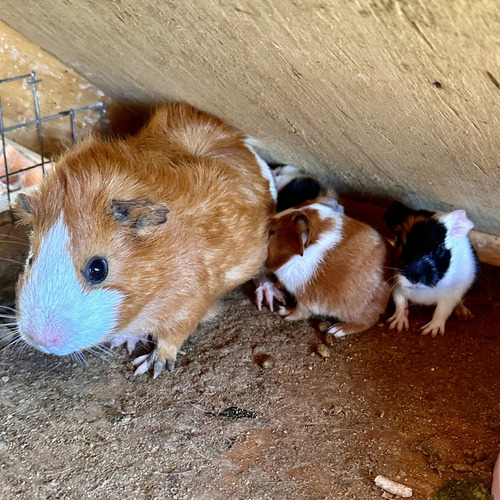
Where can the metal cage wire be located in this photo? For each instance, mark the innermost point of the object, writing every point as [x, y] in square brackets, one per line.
[31, 80]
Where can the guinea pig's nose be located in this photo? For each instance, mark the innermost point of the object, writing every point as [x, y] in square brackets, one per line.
[421, 271]
[47, 338]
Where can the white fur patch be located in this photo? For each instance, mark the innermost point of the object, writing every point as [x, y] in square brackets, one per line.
[285, 174]
[56, 315]
[295, 273]
[264, 167]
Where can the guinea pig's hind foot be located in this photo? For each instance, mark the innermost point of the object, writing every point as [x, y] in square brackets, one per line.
[343, 329]
[159, 358]
[294, 313]
[462, 312]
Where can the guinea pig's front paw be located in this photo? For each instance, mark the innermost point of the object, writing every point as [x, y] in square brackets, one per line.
[399, 320]
[160, 358]
[434, 327]
[131, 342]
[268, 291]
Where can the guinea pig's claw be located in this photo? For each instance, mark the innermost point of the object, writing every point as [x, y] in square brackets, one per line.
[399, 323]
[433, 327]
[143, 363]
[269, 291]
[146, 361]
[158, 368]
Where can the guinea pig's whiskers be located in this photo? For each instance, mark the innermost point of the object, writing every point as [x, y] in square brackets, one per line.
[14, 242]
[19, 264]
[100, 352]
[10, 317]
[7, 313]
[15, 341]
[390, 268]
[392, 282]
[16, 261]
[9, 337]
[8, 308]
[78, 357]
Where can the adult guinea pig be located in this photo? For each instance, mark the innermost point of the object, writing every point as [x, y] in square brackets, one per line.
[140, 236]
[332, 264]
[435, 264]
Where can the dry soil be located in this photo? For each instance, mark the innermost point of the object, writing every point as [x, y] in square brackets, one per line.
[418, 410]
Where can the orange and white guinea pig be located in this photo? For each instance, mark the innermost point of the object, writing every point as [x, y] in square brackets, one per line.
[334, 266]
[140, 236]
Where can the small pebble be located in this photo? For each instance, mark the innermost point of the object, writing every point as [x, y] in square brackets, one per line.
[265, 361]
[5, 379]
[323, 351]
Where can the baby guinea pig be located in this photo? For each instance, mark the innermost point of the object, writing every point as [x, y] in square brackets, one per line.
[435, 261]
[294, 188]
[140, 236]
[332, 264]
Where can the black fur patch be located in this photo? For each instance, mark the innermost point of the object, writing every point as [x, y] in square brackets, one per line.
[298, 191]
[398, 213]
[424, 258]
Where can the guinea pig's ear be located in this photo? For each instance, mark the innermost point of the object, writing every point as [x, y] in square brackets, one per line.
[140, 215]
[23, 208]
[302, 224]
[457, 223]
[396, 215]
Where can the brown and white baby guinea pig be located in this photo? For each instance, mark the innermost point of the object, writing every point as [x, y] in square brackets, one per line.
[333, 265]
[139, 237]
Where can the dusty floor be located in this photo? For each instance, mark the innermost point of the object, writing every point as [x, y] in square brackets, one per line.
[418, 410]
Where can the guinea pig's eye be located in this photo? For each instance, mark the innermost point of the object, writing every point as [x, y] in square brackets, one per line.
[272, 232]
[441, 249]
[30, 260]
[96, 270]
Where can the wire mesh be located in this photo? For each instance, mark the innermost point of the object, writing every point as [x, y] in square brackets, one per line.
[38, 160]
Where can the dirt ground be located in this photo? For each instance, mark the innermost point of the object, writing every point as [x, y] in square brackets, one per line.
[417, 410]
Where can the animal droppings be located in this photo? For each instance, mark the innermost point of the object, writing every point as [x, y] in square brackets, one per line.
[265, 361]
[323, 351]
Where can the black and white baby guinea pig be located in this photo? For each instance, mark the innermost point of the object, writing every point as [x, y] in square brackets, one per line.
[435, 264]
[296, 187]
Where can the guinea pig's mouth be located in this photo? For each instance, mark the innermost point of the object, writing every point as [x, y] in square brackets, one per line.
[404, 282]
[416, 286]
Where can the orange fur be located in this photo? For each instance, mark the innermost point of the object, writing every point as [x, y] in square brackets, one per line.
[215, 236]
[349, 284]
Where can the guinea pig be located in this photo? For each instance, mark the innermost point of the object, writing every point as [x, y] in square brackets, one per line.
[435, 262]
[138, 237]
[333, 265]
[294, 187]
